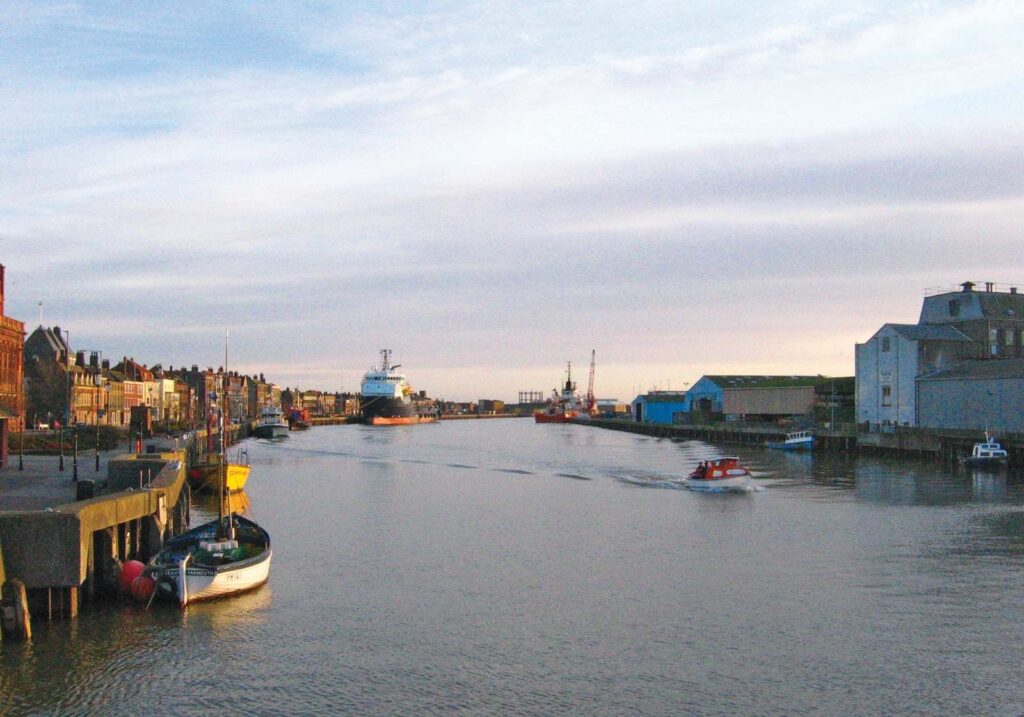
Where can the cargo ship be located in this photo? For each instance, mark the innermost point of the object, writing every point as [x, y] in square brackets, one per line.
[562, 407]
[386, 396]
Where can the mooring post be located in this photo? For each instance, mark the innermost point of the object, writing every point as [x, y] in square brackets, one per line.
[17, 624]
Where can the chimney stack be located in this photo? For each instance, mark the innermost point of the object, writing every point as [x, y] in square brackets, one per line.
[1013, 289]
[94, 359]
[988, 286]
[967, 286]
[80, 358]
[3, 272]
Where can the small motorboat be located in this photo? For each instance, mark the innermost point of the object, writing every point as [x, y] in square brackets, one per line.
[796, 441]
[989, 454]
[720, 474]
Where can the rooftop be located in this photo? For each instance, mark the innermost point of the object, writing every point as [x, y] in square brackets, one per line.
[980, 369]
[986, 287]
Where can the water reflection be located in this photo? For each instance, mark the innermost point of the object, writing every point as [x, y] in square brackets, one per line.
[204, 505]
[504, 567]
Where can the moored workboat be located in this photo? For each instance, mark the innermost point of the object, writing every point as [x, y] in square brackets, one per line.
[386, 398]
[298, 419]
[720, 474]
[795, 441]
[989, 454]
[271, 423]
[562, 407]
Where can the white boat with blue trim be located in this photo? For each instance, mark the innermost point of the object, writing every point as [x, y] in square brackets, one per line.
[795, 441]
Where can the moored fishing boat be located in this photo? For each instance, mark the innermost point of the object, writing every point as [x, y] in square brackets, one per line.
[720, 474]
[796, 441]
[386, 396]
[562, 407]
[205, 563]
[222, 557]
[207, 474]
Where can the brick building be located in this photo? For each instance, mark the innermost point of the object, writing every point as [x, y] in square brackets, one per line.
[12, 396]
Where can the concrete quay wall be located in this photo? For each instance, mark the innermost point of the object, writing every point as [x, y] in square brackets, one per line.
[58, 551]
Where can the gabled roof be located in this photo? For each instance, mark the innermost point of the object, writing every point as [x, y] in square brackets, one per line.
[927, 332]
[726, 381]
[980, 369]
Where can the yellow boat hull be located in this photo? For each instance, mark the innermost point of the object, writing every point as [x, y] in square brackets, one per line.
[207, 476]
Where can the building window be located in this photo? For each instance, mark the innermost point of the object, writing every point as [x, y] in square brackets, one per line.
[885, 344]
[993, 342]
[1009, 338]
[954, 308]
[886, 395]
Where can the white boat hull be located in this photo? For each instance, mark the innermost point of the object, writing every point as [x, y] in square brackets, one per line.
[204, 583]
[197, 565]
[738, 484]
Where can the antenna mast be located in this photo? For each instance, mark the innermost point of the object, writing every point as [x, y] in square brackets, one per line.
[591, 400]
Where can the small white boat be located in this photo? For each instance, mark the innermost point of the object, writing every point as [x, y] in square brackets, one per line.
[225, 556]
[796, 441]
[198, 565]
[987, 454]
[720, 474]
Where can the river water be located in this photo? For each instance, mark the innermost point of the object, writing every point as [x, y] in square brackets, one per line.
[503, 567]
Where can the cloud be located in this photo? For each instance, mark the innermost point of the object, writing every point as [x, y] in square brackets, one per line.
[505, 186]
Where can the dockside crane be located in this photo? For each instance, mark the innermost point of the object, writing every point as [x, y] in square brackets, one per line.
[591, 399]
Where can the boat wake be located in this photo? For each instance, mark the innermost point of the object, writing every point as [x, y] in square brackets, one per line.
[677, 484]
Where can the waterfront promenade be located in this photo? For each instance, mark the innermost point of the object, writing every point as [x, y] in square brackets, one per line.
[41, 484]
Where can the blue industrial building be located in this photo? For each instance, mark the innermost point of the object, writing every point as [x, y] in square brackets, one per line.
[662, 407]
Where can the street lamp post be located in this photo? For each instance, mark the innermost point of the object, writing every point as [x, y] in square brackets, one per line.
[99, 390]
[67, 393]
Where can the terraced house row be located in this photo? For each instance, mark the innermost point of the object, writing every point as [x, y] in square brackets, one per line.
[85, 388]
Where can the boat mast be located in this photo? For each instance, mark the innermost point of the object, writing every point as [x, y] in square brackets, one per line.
[224, 498]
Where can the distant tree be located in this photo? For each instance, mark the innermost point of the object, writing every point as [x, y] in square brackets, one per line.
[45, 389]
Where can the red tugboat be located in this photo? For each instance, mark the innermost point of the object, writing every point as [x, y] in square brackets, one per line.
[720, 474]
[562, 407]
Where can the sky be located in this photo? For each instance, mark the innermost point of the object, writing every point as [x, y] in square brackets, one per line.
[494, 189]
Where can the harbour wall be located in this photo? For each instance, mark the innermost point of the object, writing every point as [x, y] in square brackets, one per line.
[939, 445]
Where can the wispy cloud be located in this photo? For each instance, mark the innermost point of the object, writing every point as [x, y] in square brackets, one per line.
[501, 185]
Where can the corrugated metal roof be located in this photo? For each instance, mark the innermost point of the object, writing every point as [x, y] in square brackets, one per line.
[763, 381]
[928, 332]
[665, 397]
[979, 369]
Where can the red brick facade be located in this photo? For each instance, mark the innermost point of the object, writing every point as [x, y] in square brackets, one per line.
[12, 373]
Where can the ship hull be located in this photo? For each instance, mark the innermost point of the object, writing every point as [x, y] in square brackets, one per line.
[400, 421]
[385, 411]
[271, 430]
[561, 417]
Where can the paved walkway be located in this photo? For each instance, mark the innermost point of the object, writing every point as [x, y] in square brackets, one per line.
[43, 485]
